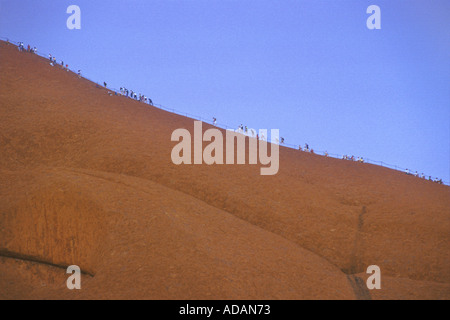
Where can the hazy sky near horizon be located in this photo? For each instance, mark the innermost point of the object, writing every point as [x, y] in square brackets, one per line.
[309, 68]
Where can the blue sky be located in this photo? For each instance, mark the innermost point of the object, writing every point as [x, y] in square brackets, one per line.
[309, 68]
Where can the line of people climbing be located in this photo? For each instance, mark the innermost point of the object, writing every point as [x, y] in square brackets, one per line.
[245, 130]
[134, 95]
[52, 59]
[422, 176]
[53, 62]
[307, 149]
[352, 158]
[29, 49]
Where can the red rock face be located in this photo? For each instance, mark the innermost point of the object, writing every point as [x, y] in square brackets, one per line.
[86, 178]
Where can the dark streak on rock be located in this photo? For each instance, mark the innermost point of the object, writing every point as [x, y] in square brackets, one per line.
[19, 256]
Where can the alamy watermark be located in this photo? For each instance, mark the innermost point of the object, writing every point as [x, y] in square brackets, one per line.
[374, 21]
[74, 21]
[74, 281]
[374, 281]
[214, 152]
